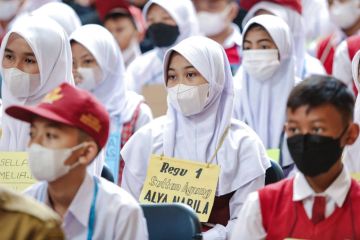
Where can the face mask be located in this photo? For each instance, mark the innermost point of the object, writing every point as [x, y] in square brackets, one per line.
[48, 164]
[8, 9]
[91, 77]
[213, 23]
[344, 15]
[314, 154]
[189, 100]
[261, 64]
[163, 35]
[131, 52]
[19, 83]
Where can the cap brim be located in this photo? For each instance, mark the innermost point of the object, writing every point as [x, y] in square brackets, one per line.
[27, 114]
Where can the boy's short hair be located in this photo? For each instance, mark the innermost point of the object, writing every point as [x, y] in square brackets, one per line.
[118, 13]
[319, 90]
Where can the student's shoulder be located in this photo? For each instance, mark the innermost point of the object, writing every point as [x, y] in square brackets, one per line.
[146, 59]
[241, 131]
[27, 208]
[116, 197]
[153, 129]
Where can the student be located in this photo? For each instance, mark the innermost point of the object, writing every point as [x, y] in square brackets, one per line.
[200, 104]
[352, 153]
[62, 13]
[23, 218]
[266, 77]
[98, 67]
[321, 201]
[290, 12]
[345, 14]
[344, 54]
[168, 22]
[8, 13]
[68, 129]
[215, 21]
[36, 57]
[126, 30]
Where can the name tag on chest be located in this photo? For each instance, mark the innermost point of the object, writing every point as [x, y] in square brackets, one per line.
[173, 180]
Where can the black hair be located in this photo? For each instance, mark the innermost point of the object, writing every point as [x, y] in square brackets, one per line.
[118, 13]
[319, 90]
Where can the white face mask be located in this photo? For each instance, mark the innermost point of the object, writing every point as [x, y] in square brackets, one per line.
[344, 15]
[213, 23]
[49, 164]
[8, 9]
[261, 64]
[189, 100]
[19, 83]
[131, 52]
[91, 77]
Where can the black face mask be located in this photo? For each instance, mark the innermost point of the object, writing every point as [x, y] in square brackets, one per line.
[314, 154]
[163, 35]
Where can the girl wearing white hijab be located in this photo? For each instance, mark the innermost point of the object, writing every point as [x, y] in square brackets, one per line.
[200, 104]
[305, 63]
[99, 68]
[266, 77]
[176, 20]
[62, 13]
[352, 153]
[36, 58]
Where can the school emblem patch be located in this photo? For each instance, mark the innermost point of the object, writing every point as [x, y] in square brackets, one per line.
[53, 96]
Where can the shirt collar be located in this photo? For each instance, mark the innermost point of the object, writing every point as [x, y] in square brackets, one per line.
[81, 204]
[234, 38]
[337, 190]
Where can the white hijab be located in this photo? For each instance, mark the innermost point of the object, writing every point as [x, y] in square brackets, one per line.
[111, 91]
[197, 137]
[295, 23]
[53, 54]
[352, 153]
[62, 13]
[262, 105]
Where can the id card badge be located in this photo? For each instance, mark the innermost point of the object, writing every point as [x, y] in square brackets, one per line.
[112, 155]
[171, 180]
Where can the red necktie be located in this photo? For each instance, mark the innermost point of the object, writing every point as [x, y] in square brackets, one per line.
[318, 210]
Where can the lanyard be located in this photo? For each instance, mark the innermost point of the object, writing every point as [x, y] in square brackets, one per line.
[91, 224]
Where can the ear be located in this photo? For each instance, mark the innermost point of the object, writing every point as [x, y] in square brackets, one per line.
[234, 10]
[89, 153]
[353, 134]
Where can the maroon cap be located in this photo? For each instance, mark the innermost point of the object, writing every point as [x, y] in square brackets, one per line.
[71, 106]
[294, 4]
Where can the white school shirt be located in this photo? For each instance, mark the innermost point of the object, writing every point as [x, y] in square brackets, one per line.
[249, 222]
[117, 214]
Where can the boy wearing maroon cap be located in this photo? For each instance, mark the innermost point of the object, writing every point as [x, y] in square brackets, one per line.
[68, 129]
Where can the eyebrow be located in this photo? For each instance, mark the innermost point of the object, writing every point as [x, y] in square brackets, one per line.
[26, 53]
[187, 67]
[86, 55]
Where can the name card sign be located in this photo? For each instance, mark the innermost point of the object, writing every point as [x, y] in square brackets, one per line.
[170, 180]
[14, 170]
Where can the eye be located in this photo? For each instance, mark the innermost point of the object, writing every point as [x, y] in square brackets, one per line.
[291, 130]
[264, 47]
[9, 56]
[317, 130]
[51, 136]
[30, 60]
[191, 75]
[88, 61]
[171, 77]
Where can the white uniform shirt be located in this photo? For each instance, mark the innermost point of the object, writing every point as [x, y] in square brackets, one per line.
[117, 214]
[249, 223]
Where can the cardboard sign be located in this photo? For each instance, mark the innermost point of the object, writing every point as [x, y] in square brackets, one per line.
[15, 171]
[155, 96]
[274, 154]
[356, 176]
[171, 180]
